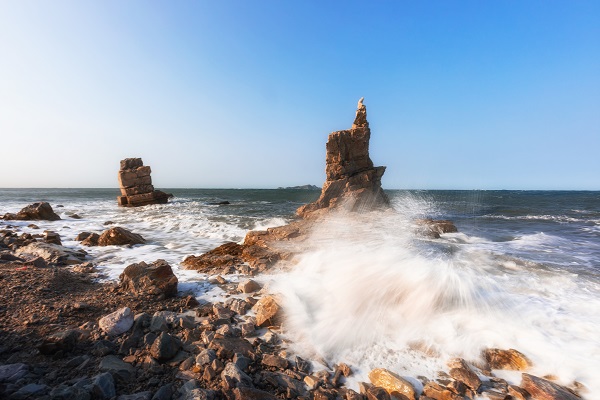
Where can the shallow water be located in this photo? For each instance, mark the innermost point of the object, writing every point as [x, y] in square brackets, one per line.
[523, 272]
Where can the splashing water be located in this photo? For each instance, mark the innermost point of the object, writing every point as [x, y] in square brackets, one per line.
[372, 294]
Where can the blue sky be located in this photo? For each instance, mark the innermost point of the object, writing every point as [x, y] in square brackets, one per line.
[460, 95]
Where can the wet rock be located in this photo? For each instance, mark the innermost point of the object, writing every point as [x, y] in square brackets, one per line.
[233, 372]
[60, 341]
[165, 347]
[90, 240]
[377, 393]
[542, 389]
[248, 286]
[267, 311]
[156, 279]
[35, 211]
[136, 185]
[353, 183]
[226, 255]
[303, 365]
[103, 386]
[117, 236]
[506, 359]
[82, 236]
[518, 393]
[435, 391]
[117, 322]
[461, 371]
[13, 372]
[52, 237]
[434, 228]
[392, 383]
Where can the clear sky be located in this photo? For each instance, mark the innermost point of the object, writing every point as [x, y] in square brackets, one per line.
[460, 94]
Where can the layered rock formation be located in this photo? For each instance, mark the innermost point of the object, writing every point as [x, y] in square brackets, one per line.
[136, 185]
[352, 180]
[35, 211]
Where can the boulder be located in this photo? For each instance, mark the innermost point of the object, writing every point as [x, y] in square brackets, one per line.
[392, 383]
[90, 240]
[118, 236]
[248, 286]
[117, 322]
[52, 237]
[51, 253]
[136, 185]
[542, 389]
[103, 386]
[506, 359]
[353, 183]
[462, 372]
[35, 211]
[60, 341]
[268, 312]
[230, 257]
[239, 377]
[165, 347]
[156, 279]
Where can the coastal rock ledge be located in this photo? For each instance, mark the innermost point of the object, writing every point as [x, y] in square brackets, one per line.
[136, 185]
[353, 183]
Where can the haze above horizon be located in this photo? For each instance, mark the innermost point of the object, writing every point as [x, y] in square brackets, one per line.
[460, 95]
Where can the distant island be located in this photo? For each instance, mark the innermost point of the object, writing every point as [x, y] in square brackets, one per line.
[303, 187]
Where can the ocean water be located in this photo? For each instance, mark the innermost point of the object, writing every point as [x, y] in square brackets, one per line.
[523, 271]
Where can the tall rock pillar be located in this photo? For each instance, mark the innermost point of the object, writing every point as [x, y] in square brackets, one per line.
[352, 181]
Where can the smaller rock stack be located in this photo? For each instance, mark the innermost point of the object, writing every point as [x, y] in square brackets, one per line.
[136, 185]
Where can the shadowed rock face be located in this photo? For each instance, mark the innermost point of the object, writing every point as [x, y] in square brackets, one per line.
[352, 180]
[136, 185]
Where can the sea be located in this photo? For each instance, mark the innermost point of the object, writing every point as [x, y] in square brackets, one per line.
[522, 272]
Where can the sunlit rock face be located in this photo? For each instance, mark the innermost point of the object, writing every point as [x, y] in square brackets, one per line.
[136, 185]
[352, 181]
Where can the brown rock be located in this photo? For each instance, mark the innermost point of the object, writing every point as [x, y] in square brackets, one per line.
[352, 180]
[461, 371]
[246, 393]
[118, 236]
[136, 185]
[157, 278]
[506, 359]
[392, 383]
[267, 311]
[91, 239]
[517, 393]
[227, 347]
[435, 391]
[377, 393]
[52, 237]
[248, 286]
[228, 254]
[542, 389]
[271, 360]
[35, 211]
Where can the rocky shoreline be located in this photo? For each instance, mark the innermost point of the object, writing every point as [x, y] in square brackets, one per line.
[64, 335]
